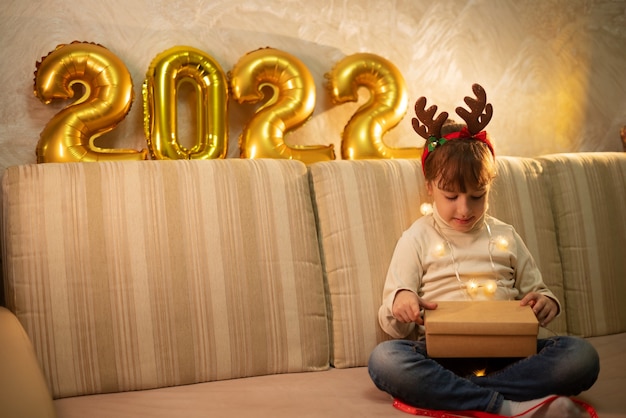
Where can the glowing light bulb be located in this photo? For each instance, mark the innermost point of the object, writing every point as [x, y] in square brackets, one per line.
[502, 243]
[439, 250]
[490, 287]
[426, 209]
[472, 287]
[480, 372]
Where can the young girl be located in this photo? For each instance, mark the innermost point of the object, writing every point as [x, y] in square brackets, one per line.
[431, 263]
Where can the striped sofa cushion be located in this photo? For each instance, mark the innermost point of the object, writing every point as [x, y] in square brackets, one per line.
[137, 275]
[520, 197]
[363, 208]
[589, 201]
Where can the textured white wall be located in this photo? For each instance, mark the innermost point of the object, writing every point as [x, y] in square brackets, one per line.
[553, 69]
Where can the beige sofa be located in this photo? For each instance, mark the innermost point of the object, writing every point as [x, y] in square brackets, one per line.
[249, 288]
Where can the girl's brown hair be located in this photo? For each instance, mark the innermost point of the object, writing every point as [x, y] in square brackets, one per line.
[460, 164]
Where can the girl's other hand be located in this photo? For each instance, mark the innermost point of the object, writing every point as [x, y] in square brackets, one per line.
[407, 307]
[545, 308]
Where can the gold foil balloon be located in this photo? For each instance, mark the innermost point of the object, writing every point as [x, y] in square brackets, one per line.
[107, 95]
[363, 134]
[168, 70]
[291, 105]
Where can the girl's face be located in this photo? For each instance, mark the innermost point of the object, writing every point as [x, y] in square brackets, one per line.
[459, 210]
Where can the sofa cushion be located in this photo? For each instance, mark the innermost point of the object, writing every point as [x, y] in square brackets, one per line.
[189, 271]
[607, 394]
[363, 207]
[520, 197]
[332, 393]
[589, 202]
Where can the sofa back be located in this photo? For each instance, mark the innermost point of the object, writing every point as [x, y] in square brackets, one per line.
[137, 275]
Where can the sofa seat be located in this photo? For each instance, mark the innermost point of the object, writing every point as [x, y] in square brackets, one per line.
[607, 394]
[333, 393]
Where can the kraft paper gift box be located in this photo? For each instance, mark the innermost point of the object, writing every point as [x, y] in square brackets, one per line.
[481, 329]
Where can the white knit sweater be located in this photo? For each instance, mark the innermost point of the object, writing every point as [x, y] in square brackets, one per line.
[423, 263]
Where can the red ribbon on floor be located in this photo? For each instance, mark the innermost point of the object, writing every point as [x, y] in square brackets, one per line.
[478, 414]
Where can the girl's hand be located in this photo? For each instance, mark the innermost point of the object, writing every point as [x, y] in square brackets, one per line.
[545, 308]
[407, 306]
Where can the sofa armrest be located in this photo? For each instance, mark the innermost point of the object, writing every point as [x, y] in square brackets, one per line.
[23, 389]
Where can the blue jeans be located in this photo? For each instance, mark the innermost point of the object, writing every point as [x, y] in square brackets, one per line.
[562, 366]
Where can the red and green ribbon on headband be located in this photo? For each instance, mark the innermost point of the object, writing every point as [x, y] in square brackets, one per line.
[433, 142]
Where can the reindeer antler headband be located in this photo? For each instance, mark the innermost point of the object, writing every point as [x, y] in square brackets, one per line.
[476, 120]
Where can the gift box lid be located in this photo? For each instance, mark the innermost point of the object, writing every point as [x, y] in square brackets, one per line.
[481, 318]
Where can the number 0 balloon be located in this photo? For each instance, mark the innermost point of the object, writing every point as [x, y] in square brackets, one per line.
[107, 96]
[168, 70]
